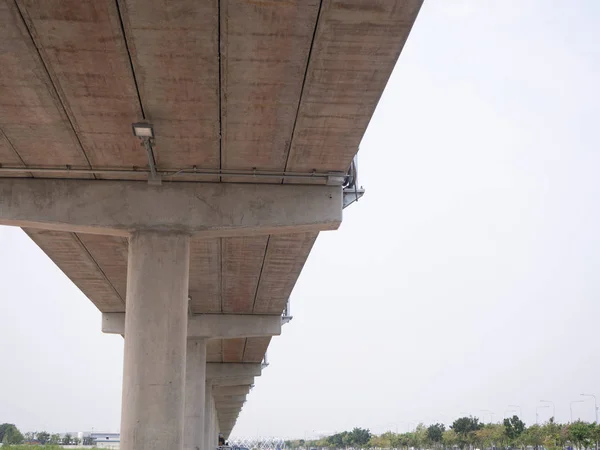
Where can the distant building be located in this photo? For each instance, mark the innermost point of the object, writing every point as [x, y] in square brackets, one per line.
[106, 440]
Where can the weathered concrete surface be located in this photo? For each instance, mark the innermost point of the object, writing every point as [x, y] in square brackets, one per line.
[242, 258]
[264, 52]
[195, 390]
[230, 390]
[357, 43]
[210, 421]
[249, 350]
[98, 266]
[232, 416]
[85, 268]
[255, 347]
[92, 75]
[216, 370]
[211, 326]
[234, 326]
[229, 407]
[205, 275]
[233, 350]
[232, 381]
[175, 55]
[225, 407]
[284, 259]
[211, 209]
[32, 118]
[10, 155]
[229, 398]
[152, 416]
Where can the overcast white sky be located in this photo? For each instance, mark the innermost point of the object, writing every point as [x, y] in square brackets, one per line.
[466, 279]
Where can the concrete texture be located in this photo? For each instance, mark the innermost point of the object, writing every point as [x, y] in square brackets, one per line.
[152, 416]
[211, 326]
[229, 408]
[232, 381]
[120, 207]
[92, 76]
[195, 390]
[30, 109]
[217, 371]
[98, 266]
[257, 114]
[175, 57]
[365, 38]
[230, 399]
[230, 390]
[210, 421]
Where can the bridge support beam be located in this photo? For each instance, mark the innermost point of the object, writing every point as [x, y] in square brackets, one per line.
[232, 370]
[211, 326]
[229, 399]
[121, 208]
[152, 416]
[232, 381]
[221, 391]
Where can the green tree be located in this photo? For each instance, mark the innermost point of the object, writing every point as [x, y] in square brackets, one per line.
[450, 439]
[29, 437]
[465, 428]
[336, 440]
[382, 441]
[581, 433]
[513, 428]
[553, 435]
[359, 437]
[54, 439]
[435, 433]
[534, 436]
[491, 435]
[43, 437]
[596, 435]
[401, 441]
[10, 434]
[67, 439]
[420, 435]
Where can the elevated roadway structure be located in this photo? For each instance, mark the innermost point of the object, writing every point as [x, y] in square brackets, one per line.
[177, 159]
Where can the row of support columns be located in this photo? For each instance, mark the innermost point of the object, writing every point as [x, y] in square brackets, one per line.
[168, 401]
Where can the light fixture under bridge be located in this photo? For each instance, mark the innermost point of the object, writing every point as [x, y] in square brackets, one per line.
[145, 132]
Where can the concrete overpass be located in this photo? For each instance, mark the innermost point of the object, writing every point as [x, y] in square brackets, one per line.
[189, 239]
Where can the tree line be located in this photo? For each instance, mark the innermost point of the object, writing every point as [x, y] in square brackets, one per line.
[468, 432]
[10, 435]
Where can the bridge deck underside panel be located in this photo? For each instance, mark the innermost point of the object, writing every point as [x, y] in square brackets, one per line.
[229, 84]
[227, 275]
[249, 350]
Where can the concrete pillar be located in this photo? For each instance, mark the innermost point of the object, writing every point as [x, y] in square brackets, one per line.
[195, 390]
[216, 425]
[208, 418]
[152, 413]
